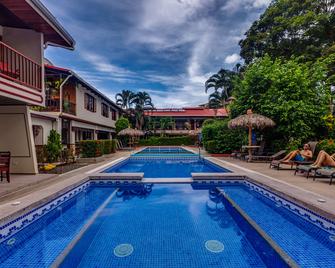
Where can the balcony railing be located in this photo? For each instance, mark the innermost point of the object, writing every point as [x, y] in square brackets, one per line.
[69, 107]
[17, 67]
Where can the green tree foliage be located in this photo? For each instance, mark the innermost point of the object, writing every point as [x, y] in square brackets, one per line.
[121, 123]
[124, 98]
[304, 28]
[295, 95]
[54, 146]
[223, 80]
[218, 138]
[141, 102]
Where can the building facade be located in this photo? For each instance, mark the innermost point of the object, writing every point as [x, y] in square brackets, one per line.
[185, 119]
[26, 29]
[74, 108]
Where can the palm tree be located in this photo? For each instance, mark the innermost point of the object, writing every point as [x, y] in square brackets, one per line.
[124, 98]
[142, 102]
[221, 80]
[217, 100]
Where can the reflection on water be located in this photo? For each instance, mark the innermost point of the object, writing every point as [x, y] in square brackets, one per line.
[140, 191]
[216, 210]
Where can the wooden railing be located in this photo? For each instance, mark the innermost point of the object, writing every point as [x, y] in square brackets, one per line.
[17, 67]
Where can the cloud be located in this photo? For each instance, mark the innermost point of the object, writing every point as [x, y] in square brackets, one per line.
[168, 47]
[236, 5]
[233, 58]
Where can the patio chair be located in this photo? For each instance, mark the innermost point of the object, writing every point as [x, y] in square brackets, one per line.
[276, 163]
[325, 172]
[268, 158]
[5, 165]
[305, 169]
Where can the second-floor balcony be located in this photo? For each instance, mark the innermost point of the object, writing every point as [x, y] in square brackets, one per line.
[18, 68]
[54, 106]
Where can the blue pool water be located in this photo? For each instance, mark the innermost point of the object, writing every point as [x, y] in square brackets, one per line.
[166, 168]
[307, 244]
[163, 151]
[40, 243]
[166, 226]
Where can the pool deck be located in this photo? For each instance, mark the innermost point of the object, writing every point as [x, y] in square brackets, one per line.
[28, 191]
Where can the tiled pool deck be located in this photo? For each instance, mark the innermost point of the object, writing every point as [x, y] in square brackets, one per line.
[31, 191]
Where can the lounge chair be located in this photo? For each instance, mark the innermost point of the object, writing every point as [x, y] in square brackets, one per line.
[306, 169]
[276, 163]
[325, 172]
[268, 158]
[5, 165]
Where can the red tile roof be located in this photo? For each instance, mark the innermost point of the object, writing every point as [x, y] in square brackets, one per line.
[187, 112]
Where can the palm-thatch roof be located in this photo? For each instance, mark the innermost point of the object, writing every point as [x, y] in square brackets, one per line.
[251, 120]
[131, 132]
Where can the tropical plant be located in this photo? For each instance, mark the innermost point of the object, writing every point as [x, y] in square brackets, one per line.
[165, 123]
[287, 28]
[294, 94]
[54, 146]
[142, 102]
[121, 123]
[218, 138]
[221, 80]
[124, 98]
[217, 100]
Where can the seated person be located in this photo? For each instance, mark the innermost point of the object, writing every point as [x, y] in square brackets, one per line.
[299, 155]
[324, 160]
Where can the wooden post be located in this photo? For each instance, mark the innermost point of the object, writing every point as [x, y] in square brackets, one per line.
[250, 143]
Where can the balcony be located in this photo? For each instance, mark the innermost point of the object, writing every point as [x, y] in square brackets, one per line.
[69, 107]
[18, 68]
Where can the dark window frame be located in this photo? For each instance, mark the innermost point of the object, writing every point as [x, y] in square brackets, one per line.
[90, 103]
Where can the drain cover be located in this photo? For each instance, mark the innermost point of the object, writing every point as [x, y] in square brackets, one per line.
[123, 250]
[214, 246]
[11, 241]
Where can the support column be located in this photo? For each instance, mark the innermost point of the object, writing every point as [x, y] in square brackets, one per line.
[17, 138]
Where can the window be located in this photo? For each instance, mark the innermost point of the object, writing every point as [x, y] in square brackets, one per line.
[113, 114]
[104, 110]
[90, 103]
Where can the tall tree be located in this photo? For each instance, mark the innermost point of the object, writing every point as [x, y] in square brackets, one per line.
[142, 102]
[217, 100]
[304, 28]
[124, 98]
[223, 79]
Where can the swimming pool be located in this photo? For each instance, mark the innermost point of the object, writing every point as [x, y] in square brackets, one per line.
[166, 167]
[142, 226]
[164, 150]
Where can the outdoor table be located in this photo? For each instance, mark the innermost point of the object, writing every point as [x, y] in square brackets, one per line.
[250, 148]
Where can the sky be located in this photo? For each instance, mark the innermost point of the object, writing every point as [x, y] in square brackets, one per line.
[168, 48]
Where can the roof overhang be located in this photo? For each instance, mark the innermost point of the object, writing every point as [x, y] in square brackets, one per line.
[36, 16]
[83, 82]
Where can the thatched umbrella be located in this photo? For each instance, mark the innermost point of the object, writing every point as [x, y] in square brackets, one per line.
[132, 133]
[250, 121]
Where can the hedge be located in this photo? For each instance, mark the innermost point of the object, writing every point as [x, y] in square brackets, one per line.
[218, 138]
[96, 148]
[168, 141]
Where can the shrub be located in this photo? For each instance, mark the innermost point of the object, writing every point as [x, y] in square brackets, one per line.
[166, 141]
[96, 148]
[121, 123]
[91, 148]
[327, 145]
[218, 138]
[54, 146]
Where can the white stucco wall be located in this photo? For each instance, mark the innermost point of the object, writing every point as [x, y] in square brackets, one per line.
[46, 124]
[16, 136]
[28, 42]
[94, 117]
